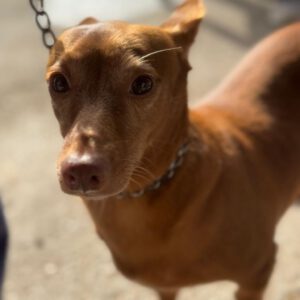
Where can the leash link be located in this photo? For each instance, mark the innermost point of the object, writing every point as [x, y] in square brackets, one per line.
[43, 22]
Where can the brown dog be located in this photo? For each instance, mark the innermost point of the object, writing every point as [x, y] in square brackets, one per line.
[180, 197]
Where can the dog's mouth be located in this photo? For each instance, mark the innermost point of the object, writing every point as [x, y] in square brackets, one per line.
[99, 192]
[95, 196]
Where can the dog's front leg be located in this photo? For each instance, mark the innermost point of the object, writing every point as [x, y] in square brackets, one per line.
[255, 286]
[249, 294]
[167, 295]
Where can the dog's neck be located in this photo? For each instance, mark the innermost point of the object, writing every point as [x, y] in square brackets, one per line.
[163, 152]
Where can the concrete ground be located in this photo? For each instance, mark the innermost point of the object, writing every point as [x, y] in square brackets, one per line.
[54, 252]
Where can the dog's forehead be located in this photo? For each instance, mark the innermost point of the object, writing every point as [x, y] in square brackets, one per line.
[112, 38]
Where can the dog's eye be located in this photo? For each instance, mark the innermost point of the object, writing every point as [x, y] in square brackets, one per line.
[59, 83]
[142, 85]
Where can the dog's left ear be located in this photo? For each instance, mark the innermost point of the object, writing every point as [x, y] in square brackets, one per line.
[88, 21]
[184, 22]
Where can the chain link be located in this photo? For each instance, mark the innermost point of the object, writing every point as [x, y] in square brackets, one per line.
[43, 22]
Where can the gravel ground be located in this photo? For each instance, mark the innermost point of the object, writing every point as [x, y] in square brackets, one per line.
[54, 252]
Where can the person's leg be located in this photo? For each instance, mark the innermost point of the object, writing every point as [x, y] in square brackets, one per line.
[3, 246]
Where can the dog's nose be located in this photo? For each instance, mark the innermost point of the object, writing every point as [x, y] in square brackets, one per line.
[81, 173]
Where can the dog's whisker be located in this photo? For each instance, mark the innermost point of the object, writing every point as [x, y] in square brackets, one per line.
[145, 171]
[139, 176]
[136, 182]
[142, 176]
[159, 51]
[138, 168]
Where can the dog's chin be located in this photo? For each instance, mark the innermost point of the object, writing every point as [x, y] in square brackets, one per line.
[98, 195]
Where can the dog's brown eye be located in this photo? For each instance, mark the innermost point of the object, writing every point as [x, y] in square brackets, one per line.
[59, 83]
[142, 85]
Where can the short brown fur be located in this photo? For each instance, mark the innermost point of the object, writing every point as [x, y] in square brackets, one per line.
[216, 218]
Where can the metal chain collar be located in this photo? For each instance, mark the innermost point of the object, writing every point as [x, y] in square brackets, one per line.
[160, 181]
[43, 22]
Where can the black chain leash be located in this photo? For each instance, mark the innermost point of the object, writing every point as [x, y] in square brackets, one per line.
[43, 22]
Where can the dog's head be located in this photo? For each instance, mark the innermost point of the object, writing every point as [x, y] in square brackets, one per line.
[117, 90]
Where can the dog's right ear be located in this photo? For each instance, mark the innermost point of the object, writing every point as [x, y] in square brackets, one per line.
[184, 22]
[88, 21]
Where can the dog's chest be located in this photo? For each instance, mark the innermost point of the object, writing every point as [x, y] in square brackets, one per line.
[156, 246]
[149, 246]
[132, 230]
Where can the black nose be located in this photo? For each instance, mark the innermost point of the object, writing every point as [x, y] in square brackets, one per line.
[81, 173]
